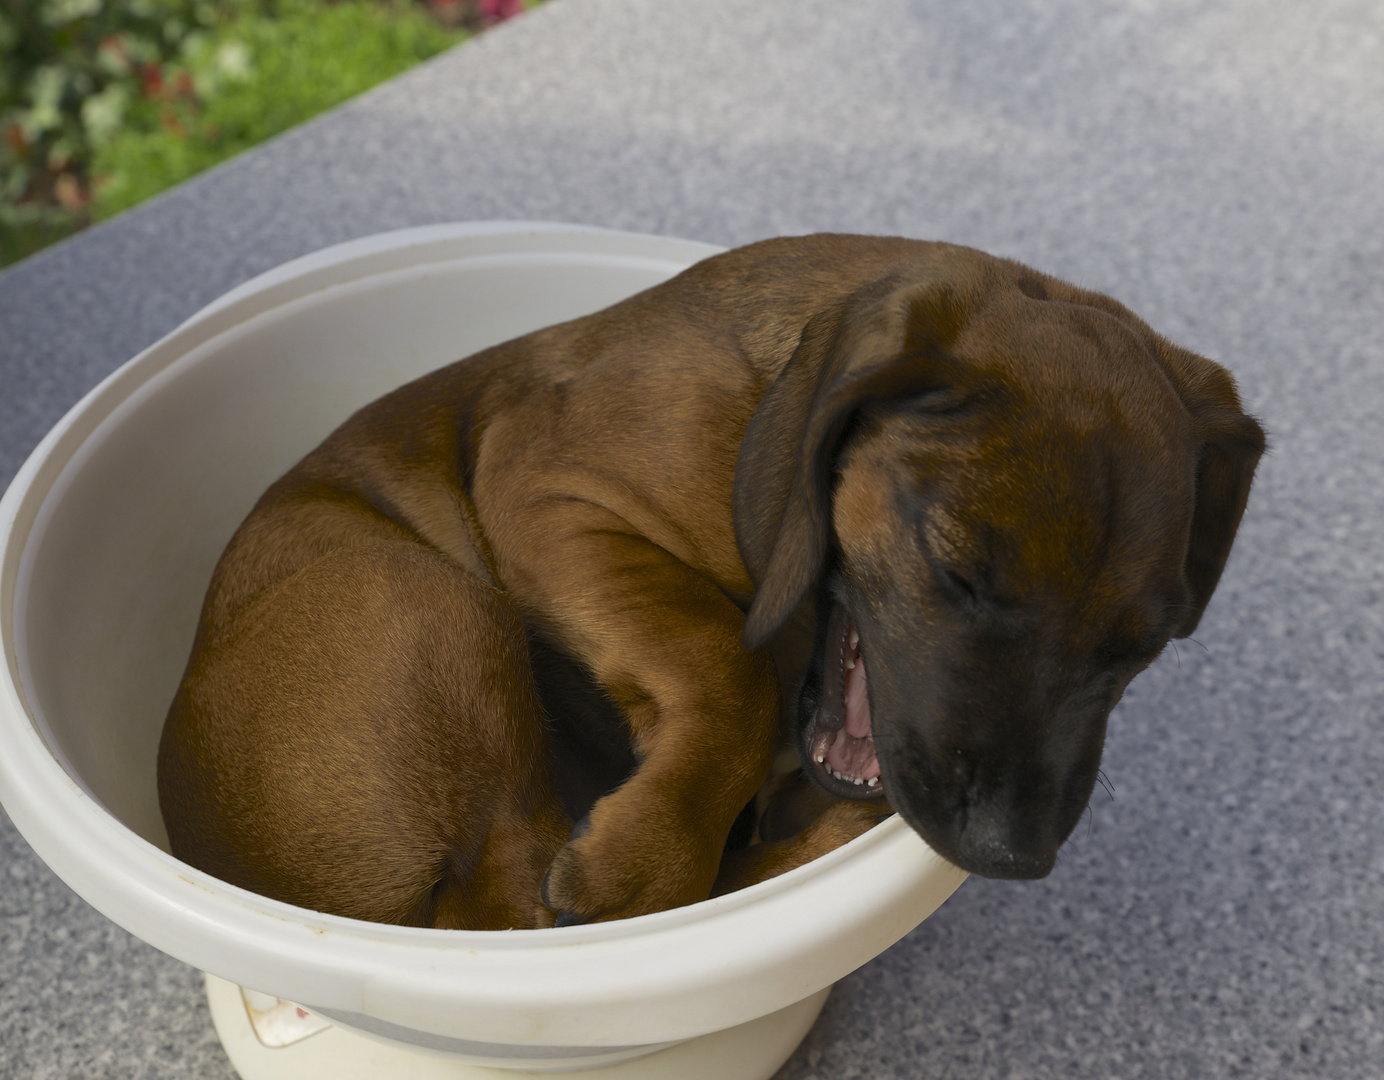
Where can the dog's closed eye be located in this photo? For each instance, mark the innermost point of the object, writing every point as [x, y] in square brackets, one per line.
[947, 545]
[947, 401]
[958, 589]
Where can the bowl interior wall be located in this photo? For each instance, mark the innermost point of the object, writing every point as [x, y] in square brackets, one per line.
[125, 544]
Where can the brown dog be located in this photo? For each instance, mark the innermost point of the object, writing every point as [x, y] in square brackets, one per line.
[596, 567]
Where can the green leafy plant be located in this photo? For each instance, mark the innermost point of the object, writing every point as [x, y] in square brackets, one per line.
[247, 80]
[68, 71]
[106, 102]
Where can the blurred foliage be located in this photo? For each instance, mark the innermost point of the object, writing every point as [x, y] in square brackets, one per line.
[231, 89]
[106, 102]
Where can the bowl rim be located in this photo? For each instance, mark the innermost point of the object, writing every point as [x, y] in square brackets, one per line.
[534, 987]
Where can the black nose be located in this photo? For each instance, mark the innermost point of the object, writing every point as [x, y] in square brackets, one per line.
[992, 831]
[997, 841]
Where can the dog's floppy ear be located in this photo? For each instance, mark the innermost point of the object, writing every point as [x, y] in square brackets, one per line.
[882, 341]
[1231, 443]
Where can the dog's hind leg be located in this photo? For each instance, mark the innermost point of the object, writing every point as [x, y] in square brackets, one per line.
[366, 739]
[839, 823]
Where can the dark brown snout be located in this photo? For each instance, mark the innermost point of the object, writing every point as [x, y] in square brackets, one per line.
[985, 733]
[990, 773]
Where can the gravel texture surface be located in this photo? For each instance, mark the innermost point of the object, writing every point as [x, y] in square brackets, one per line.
[1210, 163]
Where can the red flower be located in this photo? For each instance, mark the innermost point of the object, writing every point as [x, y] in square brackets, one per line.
[499, 10]
[153, 80]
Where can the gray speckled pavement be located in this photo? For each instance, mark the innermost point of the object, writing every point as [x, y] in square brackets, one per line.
[1215, 164]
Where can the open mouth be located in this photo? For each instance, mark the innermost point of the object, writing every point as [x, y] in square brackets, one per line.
[838, 741]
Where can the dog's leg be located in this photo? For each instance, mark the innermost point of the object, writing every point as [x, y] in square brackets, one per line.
[702, 711]
[799, 822]
[840, 823]
[366, 740]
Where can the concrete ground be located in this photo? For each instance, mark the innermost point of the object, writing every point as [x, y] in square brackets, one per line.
[1215, 164]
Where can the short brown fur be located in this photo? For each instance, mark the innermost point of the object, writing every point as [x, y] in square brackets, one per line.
[669, 494]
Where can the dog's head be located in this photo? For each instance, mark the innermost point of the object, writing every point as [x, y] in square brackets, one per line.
[1005, 495]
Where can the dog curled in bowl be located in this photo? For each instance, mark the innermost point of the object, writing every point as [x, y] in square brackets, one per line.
[521, 642]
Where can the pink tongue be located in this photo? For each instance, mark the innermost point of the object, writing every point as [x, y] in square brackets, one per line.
[851, 750]
[857, 702]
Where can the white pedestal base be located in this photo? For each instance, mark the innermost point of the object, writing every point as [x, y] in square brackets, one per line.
[752, 1051]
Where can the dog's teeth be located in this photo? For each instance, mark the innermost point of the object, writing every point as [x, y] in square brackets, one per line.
[855, 639]
[821, 758]
[858, 781]
[872, 781]
[850, 662]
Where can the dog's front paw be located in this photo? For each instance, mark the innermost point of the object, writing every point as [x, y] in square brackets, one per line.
[616, 865]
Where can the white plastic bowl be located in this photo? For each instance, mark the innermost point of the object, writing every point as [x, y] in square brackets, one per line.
[108, 536]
